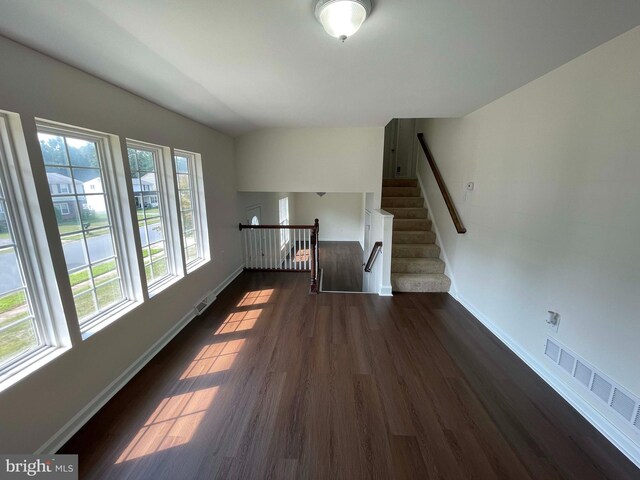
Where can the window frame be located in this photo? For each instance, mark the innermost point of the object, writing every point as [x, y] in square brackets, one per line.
[198, 207]
[43, 297]
[114, 202]
[285, 236]
[165, 188]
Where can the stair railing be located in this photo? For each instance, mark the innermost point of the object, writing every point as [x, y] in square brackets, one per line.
[443, 187]
[282, 248]
[373, 256]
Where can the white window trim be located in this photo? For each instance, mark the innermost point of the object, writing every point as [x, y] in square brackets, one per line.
[165, 181]
[116, 200]
[27, 226]
[199, 210]
[284, 234]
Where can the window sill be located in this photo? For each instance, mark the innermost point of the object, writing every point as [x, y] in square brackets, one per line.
[196, 265]
[30, 365]
[107, 318]
[160, 287]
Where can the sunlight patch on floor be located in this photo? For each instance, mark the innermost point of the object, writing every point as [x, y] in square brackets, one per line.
[173, 423]
[256, 297]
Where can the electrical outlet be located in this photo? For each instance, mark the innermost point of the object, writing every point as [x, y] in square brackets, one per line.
[553, 321]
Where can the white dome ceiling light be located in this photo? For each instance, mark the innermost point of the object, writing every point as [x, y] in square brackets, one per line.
[342, 18]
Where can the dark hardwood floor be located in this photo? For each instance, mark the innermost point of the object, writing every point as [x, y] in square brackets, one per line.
[274, 383]
[341, 264]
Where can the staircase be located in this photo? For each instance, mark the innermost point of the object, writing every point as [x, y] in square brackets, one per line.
[415, 263]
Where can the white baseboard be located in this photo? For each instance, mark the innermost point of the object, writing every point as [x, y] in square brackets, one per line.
[385, 291]
[620, 440]
[83, 416]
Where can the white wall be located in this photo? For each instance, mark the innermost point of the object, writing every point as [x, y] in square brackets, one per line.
[33, 85]
[341, 215]
[269, 205]
[553, 223]
[311, 160]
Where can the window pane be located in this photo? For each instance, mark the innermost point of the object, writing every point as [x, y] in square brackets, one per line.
[187, 221]
[100, 244]
[183, 181]
[185, 200]
[182, 164]
[17, 339]
[83, 220]
[80, 281]
[53, 149]
[109, 294]
[68, 215]
[185, 171]
[191, 253]
[14, 306]
[160, 268]
[18, 333]
[82, 153]
[148, 196]
[86, 306]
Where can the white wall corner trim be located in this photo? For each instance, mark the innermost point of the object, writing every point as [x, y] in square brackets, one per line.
[52, 445]
[453, 289]
[627, 446]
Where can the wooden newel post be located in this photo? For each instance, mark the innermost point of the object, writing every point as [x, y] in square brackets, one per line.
[315, 264]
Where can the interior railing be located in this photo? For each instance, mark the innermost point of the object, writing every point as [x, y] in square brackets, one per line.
[282, 248]
[443, 187]
[373, 256]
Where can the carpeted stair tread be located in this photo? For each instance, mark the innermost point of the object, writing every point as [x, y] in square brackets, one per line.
[403, 202]
[417, 265]
[404, 224]
[415, 250]
[407, 212]
[419, 236]
[420, 282]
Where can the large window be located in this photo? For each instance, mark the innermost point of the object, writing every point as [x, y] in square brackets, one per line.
[24, 318]
[76, 163]
[148, 191]
[18, 328]
[188, 200]
[283, 205]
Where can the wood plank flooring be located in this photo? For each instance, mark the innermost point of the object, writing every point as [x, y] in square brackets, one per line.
[341, 264]
[274, 383]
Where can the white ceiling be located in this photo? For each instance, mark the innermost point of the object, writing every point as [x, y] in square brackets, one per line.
[240, 65]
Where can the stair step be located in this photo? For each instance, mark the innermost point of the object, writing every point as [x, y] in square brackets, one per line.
[400, 182]
[417, 265]
[413, 237]
[420, 282]
[403, 224]
[403, 202]
[408, 212]
[401, 192]
[415, 250]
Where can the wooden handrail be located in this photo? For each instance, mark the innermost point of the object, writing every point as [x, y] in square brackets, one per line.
[443, 187]
[290, 227]
[372, 257]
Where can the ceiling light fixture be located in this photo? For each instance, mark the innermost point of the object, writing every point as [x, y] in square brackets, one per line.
[342, 18]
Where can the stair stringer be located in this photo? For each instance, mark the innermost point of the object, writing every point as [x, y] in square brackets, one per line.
[453, 290]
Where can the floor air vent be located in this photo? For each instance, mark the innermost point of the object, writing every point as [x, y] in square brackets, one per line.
[617, 398]
[552, 350]
[202, 305]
